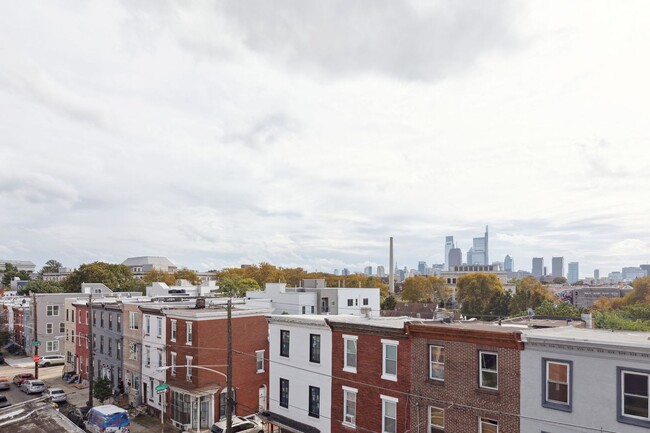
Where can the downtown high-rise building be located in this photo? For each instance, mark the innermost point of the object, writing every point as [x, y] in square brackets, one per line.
[538, 267]
[557, 267]
[574, 275]
[455, 258]
[422, 268]
[380, 271]
[596, 274]
[368, 270]
[508, 264]
[479, 253]
[449, 244]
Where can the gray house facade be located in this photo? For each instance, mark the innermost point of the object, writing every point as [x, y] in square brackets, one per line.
[106, 320]
[576, 380]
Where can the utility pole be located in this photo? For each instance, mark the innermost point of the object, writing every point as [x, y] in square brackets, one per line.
[34, 343]
[229, 372]
[91, 367]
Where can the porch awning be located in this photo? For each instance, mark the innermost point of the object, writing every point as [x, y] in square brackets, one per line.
[286, 423]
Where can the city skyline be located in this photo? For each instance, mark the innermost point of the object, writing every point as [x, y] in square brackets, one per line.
[207, 133]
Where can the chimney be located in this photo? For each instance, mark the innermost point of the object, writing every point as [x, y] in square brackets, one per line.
[391, 271]
[200, 303]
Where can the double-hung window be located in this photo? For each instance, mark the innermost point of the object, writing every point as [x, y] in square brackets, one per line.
[52, 310]
[488, 425]
[284, 392]
[133, 320]
[350, 353]
[147, 352]
[436, 362]
[314, 348]
[436, 420]
[188, 368]
[49, 328]
[147, 325]
[314, 401]
[259, 361]
[389, 369]
[489, 369]
[173, 330]
[188, 336]
[61, 327]
[349, 406]
[557, 384]
[633, 396]
[284, 342]
[388, 414]
[172, 363]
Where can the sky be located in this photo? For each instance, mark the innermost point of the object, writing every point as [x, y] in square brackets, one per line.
[307, 133]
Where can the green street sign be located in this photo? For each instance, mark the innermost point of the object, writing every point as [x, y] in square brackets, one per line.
[36, 343]
[162, 387]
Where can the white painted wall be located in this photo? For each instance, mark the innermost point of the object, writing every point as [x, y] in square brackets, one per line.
[156, 344]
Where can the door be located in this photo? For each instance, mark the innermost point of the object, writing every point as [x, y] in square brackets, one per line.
[262, 398]
[325, 305]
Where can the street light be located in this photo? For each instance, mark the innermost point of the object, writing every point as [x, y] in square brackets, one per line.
[198, 403]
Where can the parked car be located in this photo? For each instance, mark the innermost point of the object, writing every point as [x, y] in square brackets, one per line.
[78, 415]
[34, 386]
[20, 378]
[107, 419]
[57, 395]
[4, 402]
[48, 360]
[4, 383]
[2, 359]
[240, 425]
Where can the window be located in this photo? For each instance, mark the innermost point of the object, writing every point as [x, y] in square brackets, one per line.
[437, 362]
[633, 400]
[436, 420]
[350, 354]
[314, 348]
[101, 315]
[349, 406]
[350, 302]
[488, 426]
[304, 309]
[259, 357]
[284, 343]
[101, 344]
[173, 364]
[86, 318]
[389, 369]
[49, 328]
[314, 401]
[222, 403]
[312, 309]
[52, 346]
[67, 316]
[52, 310]
[147, 356]
[61, 327]
[133, 350]
[159, 323]
[173, 326]
[110, 346]
[188, 336]
[365, 301]
[73, 336]
[388, 414]
[119, 323]
[133, 320]
[87, 314]
[119, 349]
[160, 358]
[188, 369]
[557, 384]
[110, 321]
[284, 392]
[147, 325]
[489, 377]
[94, 318]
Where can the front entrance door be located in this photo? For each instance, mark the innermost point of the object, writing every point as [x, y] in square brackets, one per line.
[262, 398]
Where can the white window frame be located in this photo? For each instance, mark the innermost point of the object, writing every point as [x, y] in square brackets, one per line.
[346, 367]
[147, 356]
[384, 374]
[626, 417]
[188, 369]
[172, 363]
[49, 328]
[51, 309]
[188, 333]
[147, 325]
[159, 326]
[481, 369]
[386, 400]
[173, 330]
[160, 358]
[61, 326]
[133, 320]
[432, 426]
[431, 362]
[259, 361]
[52, 346]
[548, 383]
[489, 421]
[349, 420]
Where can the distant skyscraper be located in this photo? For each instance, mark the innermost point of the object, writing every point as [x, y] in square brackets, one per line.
[538, 267]
[573, 275]
[368, 270]
[422, 267]
[646, 268]
[508, 264]
[596, 274]
[455, 258]
[478, 254]
[632, 273]
[345, 272]
[557, 267]
[380, 271]
[449, 244]
[336, 271]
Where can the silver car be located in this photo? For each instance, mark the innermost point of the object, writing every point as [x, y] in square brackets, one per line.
[57, 395]
[33, 386]
[48, 360]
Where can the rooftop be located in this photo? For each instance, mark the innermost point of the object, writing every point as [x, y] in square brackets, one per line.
[35, 416]
[380, 322]
[590, 336]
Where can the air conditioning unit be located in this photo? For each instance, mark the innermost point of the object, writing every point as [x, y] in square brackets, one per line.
[349, 419]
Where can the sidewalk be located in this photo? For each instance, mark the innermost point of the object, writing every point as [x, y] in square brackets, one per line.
[21, 362]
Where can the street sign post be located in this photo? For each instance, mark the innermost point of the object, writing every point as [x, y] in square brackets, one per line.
[163, 387]
[36, 343]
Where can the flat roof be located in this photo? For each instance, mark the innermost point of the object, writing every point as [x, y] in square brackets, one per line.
[381, 322]
[590, 336]
[35, 416]
[313, 319]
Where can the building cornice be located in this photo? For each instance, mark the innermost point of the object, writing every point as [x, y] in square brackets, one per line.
[506, 340]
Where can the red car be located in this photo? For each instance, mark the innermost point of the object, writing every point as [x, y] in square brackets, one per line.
[20, 378]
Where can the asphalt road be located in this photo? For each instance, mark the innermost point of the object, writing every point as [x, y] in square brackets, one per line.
[15, 395]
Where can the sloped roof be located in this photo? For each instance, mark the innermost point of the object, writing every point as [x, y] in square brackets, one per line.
[161, 262]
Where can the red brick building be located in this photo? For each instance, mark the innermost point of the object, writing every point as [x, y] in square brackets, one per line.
[198, 337]
[465, 378]
[371, 378]
[82, 343]
[19, 325]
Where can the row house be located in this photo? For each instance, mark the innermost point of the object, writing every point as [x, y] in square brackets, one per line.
[585, 380]
[132, 354]
[81, 338]
[371, 359]
[107, 344]
[464, 377]
[198, 337]
[18, 314]
[70, 325]
[300, 377]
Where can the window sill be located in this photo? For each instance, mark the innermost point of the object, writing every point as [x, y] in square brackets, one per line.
[347, 424]
[389, 377]
[350, 370]
[260, 371]
[557, 406]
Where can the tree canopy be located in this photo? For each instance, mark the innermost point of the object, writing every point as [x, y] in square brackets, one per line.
[561, 309]
[187, 274]
[641, 292]
[115, 277]
[12, 272]
[425, 289]
[530, 294]
[51, 266]
[482, 295]
[40, 286]
[237, 286]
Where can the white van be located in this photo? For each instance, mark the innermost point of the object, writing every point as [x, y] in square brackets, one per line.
[107, 419]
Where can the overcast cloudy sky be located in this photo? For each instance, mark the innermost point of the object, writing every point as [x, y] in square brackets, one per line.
[306, 133]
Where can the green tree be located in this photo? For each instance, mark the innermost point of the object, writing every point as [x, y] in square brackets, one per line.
[237, 286]
[481, 295]
[636, 312]
[51, 266]
[562, 309]
[389, 303]
[40, 286]
[187, 274]
[102, 389]
[614, 320]
[12, 272]
[530, 293]
[113, 276]
[132, 285]
[559, 280]
[425, 289]
[156, 276]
